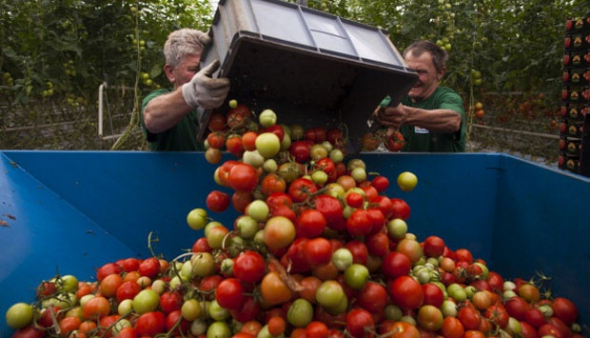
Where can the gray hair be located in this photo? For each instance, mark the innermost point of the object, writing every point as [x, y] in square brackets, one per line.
[439, 55]
[183, 42]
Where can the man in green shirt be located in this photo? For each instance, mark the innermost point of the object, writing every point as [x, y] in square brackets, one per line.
[169, 116]
[431, 117]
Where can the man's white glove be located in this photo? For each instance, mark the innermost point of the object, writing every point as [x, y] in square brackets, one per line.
[204, 91]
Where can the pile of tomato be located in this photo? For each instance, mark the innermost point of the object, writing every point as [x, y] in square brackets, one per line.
[318, 250]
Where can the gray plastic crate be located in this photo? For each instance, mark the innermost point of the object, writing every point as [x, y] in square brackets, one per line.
[310, 67]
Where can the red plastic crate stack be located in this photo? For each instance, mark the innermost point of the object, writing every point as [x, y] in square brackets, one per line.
[574, 147]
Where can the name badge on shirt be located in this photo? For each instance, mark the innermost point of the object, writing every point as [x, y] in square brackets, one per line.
[419, 130]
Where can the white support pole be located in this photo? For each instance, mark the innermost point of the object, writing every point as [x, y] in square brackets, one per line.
[100, 108]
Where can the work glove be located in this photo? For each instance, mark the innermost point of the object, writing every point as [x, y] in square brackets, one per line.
[204, 91]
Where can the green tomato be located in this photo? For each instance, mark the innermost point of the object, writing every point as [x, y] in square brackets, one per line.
[267, 118]
[397, 228]
[329, 294]
[191, 309]
[356, 276]
[146, 300]
[258, 210]
[246, 226]
[342, 259]
[219, 329]
[197, 218]
[19, 315]
[300, 313]
[217, 312]
[268, 145]
[203, 264]
[407, 181]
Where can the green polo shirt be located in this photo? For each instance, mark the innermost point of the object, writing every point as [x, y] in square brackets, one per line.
[421, 140]
[181, 137]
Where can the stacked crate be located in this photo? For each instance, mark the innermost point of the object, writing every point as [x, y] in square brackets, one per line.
[573, 146]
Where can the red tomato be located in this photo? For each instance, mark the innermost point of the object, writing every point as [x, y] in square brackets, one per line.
[107, 269]
[300, 150]
[150, 324]
[469, 317]
[301, 189]
[528, 331]
[535, 317]
[316, 329]
[433, 294]
[517, 307]
[175, 324]
[359, 251]
[565, 310]
[403, 330]
[331, 208]
[201, 245]
[28, 332]
[249, 140]
[310, 224]
[327, 165]
[549, 330]
[295, 257]
[316, 134]
[248, 312]
[396, 264]
[335, 136]
[243, 177]
[127, 290]
[216, 139]
[434, 246]
[285, 211]
[210, 283]
[354, 200]
[452, 328]
[381, 183]
[216, 122]
[249, 267]
[377, 220]
[497, 314]
[359, 323]
[384, 204]
[230, 294]
[395, 142]
[234, 145]
[464, 255]
[359, 223]
[241, 199]
[370, 142]
[217, 201]
[276, 129]
[496, 281]
[272, 183]
[401, 209]
[406, 292]
[318, 251]
[378, 244]
[171, 301]
[372, 297]
[278, 198]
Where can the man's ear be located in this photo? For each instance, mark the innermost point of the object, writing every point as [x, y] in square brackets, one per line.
[441, 74]
[168, 70]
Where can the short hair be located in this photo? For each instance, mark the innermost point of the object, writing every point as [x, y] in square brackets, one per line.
[180, 43]
[439, 55]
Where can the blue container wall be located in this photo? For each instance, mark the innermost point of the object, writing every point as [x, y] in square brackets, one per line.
[74, 211]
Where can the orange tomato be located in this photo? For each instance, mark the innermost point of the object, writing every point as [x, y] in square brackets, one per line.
[274, 291]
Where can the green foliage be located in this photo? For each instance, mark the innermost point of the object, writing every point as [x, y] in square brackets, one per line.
[61, 51]
[72, 46]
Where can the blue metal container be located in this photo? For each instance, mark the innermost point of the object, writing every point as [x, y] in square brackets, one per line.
[71, 212]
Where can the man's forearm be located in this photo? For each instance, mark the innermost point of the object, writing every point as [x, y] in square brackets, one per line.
[165, 111]
[437, 120]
